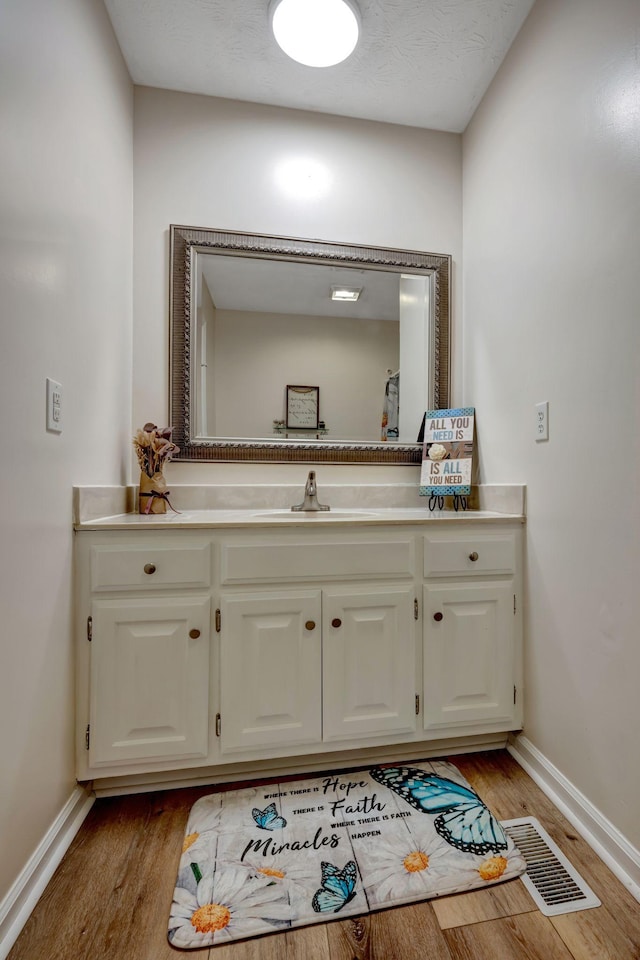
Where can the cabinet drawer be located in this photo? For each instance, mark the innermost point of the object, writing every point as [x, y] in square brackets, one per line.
[464, 554]
[149, 567]
[252, 562]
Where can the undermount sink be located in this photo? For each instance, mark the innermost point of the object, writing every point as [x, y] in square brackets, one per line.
[315, 514]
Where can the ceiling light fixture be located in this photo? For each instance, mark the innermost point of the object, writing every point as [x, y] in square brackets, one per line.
[346, 293]
[317, 33]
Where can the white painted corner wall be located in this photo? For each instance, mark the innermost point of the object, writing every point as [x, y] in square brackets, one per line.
[609, 843]
[551, 194]
[19, 901]
[65, 284]
[551, 292]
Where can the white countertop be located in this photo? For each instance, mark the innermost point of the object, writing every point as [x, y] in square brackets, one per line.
[200, 519]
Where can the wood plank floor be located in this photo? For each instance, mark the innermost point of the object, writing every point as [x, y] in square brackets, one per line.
[110, 897]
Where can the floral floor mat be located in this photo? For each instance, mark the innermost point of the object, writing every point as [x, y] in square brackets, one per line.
[269, 858]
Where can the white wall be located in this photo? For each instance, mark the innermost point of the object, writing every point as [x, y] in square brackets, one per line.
[552, 214]
[346, 359]
[206, 162]
[552, 293]
[66, 114]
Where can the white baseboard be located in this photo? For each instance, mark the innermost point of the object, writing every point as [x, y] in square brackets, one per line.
[22, 897]
[622, 858]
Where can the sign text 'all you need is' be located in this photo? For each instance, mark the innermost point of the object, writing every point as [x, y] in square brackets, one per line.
[447, 454]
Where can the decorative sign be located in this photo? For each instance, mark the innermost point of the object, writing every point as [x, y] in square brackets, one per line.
[447, 454]
[302, 407]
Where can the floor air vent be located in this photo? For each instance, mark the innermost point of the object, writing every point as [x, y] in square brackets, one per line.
[553, 883]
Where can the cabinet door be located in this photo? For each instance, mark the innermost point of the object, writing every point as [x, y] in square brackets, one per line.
[369, 682]
[270, 661]
[469, 653]
[149, 696]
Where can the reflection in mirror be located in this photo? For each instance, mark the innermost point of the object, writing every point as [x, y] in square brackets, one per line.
[252, 315]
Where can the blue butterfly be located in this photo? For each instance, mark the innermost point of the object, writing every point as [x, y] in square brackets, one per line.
[464, 821]
[337, 888]
[268, 818]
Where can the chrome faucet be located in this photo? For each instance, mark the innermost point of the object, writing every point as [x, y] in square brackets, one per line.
[310, 502]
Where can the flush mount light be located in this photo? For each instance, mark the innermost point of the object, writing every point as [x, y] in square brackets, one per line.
[346, 293]
[317, 33]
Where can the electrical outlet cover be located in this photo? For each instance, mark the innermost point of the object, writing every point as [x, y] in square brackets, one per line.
[542, 421]
[54, 406]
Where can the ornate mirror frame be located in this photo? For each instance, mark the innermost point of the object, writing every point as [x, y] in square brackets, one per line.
[187, 242]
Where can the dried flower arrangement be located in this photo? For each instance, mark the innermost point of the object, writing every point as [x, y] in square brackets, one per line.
[154, 448]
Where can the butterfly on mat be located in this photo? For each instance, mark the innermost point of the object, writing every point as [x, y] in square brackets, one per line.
[463, 820]
[338, 888]
[268, 819]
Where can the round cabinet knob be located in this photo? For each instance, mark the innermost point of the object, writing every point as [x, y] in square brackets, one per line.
[473, 556]
[149, 568]
[194, 634]
[310, 625]
[336, 622]
[438, 616]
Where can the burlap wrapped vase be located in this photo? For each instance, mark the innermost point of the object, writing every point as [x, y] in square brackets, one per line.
[152, 496]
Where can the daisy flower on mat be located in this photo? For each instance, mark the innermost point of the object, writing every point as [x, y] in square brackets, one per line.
[229, 905]
[272, 868]
[401, 868]
[478, 870]
[492, 868]
[292, 876]
[199, 840]
[294, 873]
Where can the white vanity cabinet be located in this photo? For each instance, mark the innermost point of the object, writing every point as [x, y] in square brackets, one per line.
[149, 689]
[145, 648]
[472, 629]
[270, 669]
[333, 662]
[209, 650]
[307, 667]
[369, 677]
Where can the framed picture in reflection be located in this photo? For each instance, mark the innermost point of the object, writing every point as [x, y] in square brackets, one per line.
[303, 407]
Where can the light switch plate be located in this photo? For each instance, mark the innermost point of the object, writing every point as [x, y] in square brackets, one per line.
[542, 420]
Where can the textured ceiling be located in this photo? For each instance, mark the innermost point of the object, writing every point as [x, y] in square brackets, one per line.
[424, 63]
[303, 289]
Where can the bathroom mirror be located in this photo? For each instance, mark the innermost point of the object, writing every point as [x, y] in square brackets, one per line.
[251, 315]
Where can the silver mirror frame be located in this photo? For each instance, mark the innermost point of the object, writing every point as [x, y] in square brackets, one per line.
[187, 242]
